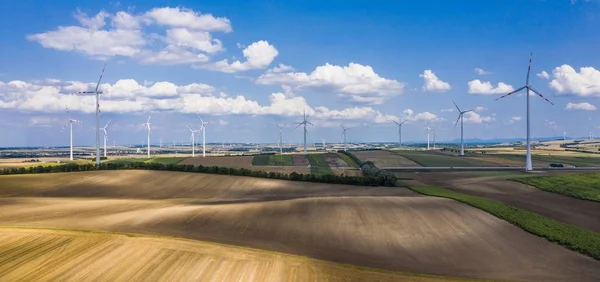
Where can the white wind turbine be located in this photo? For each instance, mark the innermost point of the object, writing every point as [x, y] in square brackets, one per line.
[527, 87]
[304, 122]
[203, 129]
[96, 92]
[461, 117]
[280, 126]
[71, 121]
[400, 131]
[193, 132]
[147, 124]
[105, 136]
[429, 130]
[344, 129]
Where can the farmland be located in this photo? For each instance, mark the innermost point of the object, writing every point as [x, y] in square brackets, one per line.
[398, 230]
[273, 160]
[318, 165]
[226, 161]
[440, 159]
[383, 158]
[161, 160]
[584, 186]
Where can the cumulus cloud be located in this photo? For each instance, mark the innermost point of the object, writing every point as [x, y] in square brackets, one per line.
[186, 38]
[514, 119]
[357, 82]
[129, 96]
[475, 118]
[432, 83]
[410, 115]
[543, 75]
[485, 87]
[584, 106]
[585, 83]
[281, 68]
[480, 71]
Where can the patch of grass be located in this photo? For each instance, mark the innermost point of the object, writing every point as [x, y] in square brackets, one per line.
[127, 160]
[579, 161]
[584, 186]
[318, 165]
[165, 160]
[348, 160]
[260, 160]
[575, 238]
[437, 159]
[280, 160]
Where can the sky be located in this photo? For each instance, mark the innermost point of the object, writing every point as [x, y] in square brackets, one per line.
[247, 65]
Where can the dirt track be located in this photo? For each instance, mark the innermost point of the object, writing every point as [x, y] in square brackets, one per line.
[585, 214]
[397, 230]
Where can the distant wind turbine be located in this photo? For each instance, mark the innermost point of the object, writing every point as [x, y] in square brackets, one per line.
[96, 92]
[429, 130]
[71, 121]
[400, 131]
[304, 122]
[147, 124]
[280, 137]
[193, 132]
[105, 136]
[527, 87]
[344, 130]
[203, 129]
[461, 118]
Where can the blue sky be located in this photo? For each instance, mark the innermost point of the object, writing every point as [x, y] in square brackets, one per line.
[247, 64]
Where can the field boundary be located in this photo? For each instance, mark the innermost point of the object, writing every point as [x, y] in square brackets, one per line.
[572, 237]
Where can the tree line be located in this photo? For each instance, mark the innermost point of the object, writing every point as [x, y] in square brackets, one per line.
[368, 169]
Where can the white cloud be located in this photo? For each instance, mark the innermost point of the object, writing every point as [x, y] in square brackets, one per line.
[543, 75]
[129, 96]
[410, 115]
[199, 40]
[584, 106]
[514, 119]
[281, 68]
[45, 121]
[480, 71]
[449, 110]
[223, 123]
[432, 83]
[258, 55]
[485, 87]
[475, 118]
[187, 18]
[585, 83]
[479, 109]
[357, 82]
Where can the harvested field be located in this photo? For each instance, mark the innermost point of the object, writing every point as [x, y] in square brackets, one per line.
[383, 158]
[227, 161]
[273, 160]
[432, 158]
[396, 230]
[283, 169]
[318, 165]
[348, 172]
[300, 160]
[60, 255]
[582, 213]
[334, 160]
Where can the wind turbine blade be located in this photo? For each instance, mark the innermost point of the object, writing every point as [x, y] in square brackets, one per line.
[101, 74]
[455, 124]
[510, 93]
[528, 69]
[149, 118]
[309, 123]
[299, 124]
[538, 93]
[456, 106]
[396, 122]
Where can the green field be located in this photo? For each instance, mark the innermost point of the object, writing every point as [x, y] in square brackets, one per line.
[433, 159]
[579, 161]
[575, 238]
[348, 160]
[273, 160]
[163, 160]
[584, 186]
[318, 165]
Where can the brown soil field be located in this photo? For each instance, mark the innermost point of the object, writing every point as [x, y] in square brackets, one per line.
[228, 161]
[500, 161]
[283, 169]
[585, 214]
[334, 160]
[387, 228]
[300, 160]
[61, 255]
[348, 172]
[383, 158]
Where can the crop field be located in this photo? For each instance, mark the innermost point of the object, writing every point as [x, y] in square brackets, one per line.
[226, 161]
[438, 159]
[282, 169]
[349, 161]
[388, 228]
[273, 160]
[383, 158]
[318, 165]
[22, 162]
[584, 186]
[161, 160]
[334, 160]
[299, 160]
[77, 256]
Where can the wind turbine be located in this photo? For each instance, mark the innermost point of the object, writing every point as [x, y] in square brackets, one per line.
[304, 122]
[528, 88]
[400, 131]
[147, 124]
[203, 129]
[71, 121]
[193, 132]
[280, 137]
[105, 136]
[96, 92]
[344, 129]
[461, 118]
[428, 129]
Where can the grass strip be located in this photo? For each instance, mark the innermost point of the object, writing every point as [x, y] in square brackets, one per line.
[260, 160]
[318, 165]
[577, 239]
[348, 160]
[585, 186]
[280, 160]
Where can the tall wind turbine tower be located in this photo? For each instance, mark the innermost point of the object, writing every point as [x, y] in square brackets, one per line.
[428, 129]
[461, 117]
[71, 121]
[280, 137]
[344, 129]
[400, 131]
[203, 125]
[193, 132]
[96, 92]
[147, 124]
[527, 87]
[105, 136]
[304, 122]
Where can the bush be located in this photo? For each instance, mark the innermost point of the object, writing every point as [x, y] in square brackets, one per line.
[371, 172]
